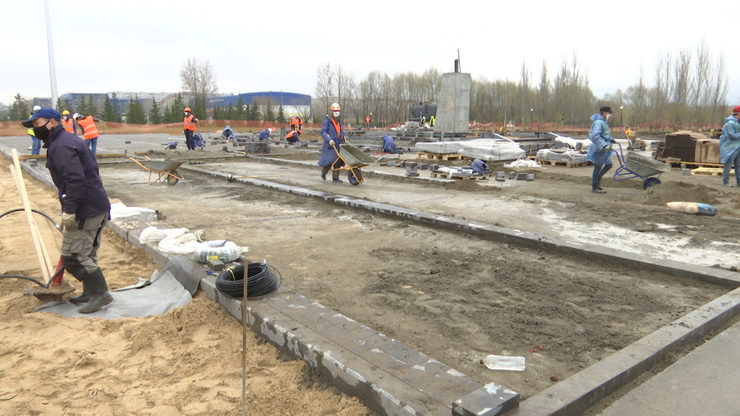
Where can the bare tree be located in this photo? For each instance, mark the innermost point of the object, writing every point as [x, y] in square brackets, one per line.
[198, 81]
[680, 87]
[719, 82]
[700, 90]
[323, 90]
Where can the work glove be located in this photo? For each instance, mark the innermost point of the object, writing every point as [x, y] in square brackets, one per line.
[69, 221]
[331, 142]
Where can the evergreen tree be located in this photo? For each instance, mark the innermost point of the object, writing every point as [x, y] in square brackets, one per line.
[175, 114]
[268, 114]
[281, 114]
[19, 109]
[116, 110]
[135, 113]
[108, 113]
[155, 117]
[65, 105]
[251, 112]
[217, 113]
[240, 114]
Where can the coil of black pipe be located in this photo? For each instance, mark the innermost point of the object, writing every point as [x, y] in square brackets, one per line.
[261, 280]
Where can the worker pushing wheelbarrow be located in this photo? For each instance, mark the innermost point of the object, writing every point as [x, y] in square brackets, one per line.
[636, 165]
[337, 154]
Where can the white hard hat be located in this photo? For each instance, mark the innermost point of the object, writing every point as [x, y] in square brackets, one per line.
[269, 129]
[36, 108]
[76, 116]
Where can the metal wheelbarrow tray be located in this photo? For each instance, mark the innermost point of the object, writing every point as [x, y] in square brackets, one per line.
[166, 170]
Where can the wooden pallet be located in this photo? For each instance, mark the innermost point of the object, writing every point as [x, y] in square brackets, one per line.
[460, 177]
[438, 156]
[710, 171]
[674, 161]
[567, 164]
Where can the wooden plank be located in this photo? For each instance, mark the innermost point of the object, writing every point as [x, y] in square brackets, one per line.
[703, 171]
[38, 243]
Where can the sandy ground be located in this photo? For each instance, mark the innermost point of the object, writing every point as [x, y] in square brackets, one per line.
[455, 297]
[184, 362]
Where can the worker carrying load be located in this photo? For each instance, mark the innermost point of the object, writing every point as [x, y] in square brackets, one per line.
[389, 145]
[265, 134]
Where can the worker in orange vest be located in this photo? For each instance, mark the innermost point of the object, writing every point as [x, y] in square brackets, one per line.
[292, 123]
[189, 125]
[293, 136]
[68, 123]
[367, 121]
[89, 131]
[299, 120]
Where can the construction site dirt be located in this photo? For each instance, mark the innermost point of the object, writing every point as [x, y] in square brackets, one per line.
[452, 295]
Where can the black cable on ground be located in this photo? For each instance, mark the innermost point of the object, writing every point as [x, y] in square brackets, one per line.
[260, 280]
[15, 276]
[36, 211]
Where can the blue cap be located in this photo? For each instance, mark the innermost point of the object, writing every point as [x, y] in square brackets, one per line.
[45, 112]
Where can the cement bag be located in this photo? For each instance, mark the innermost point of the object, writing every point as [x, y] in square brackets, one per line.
[226, 251]
[179, 242]
[697, 208]
[153, 234]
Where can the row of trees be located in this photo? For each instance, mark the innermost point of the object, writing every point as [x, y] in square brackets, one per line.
[688, 90]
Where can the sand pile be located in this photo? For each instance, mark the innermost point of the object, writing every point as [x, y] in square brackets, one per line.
[678, 191]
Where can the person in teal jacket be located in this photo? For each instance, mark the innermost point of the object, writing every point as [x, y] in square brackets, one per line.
[729, 147]
[600, 150]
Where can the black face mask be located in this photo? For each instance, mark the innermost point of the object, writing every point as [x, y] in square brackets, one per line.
[41, 132]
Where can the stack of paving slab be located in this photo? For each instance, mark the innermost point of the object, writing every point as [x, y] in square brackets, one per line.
[562, 155]
[489, 149]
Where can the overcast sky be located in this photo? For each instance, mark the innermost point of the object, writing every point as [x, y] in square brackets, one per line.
[262, 45]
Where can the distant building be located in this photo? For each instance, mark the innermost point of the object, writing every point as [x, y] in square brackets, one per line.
[293, 103]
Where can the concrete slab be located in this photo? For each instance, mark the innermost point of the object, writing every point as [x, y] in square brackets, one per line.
[704, 382]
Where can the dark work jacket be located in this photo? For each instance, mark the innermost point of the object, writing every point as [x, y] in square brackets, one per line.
[75, 173]
[329, 132]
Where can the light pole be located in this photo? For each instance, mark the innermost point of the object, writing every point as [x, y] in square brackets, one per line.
[621, 122]
[531, 114]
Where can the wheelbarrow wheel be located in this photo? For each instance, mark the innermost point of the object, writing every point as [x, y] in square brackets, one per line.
[172, 178]
[650, 182]
[355, 176]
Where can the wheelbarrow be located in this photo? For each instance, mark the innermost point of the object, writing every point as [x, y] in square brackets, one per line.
[166, 170]
[354, 159]
[639, 166]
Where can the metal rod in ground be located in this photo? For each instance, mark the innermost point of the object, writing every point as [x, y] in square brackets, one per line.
[244, 345]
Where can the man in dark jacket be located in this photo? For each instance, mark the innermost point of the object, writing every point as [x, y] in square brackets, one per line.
[85, 205]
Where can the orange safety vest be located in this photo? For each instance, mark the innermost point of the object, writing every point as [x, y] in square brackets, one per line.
[89, 128]
[292, 121]
[367, 120]
[337, 127]
[189, 122]
[300, 122]
[68, 124]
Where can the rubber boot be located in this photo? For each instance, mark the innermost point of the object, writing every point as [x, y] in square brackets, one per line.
[99, 295]
[83, 298]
